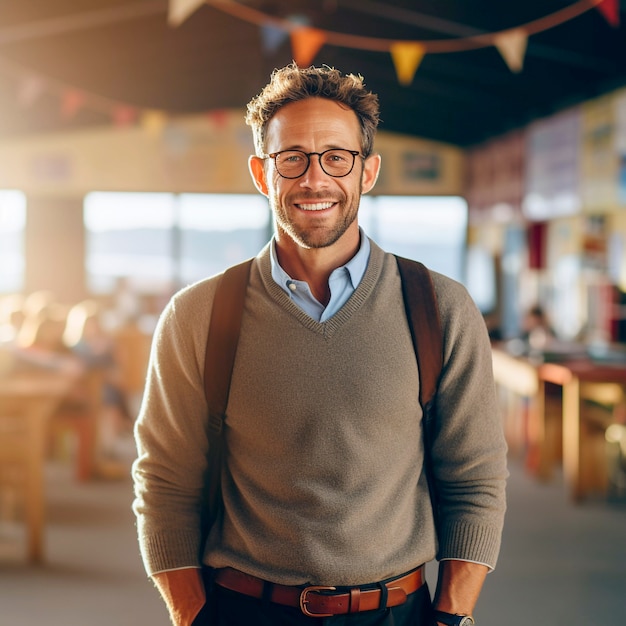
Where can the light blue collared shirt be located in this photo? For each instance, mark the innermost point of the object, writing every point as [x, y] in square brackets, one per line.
[342, 282]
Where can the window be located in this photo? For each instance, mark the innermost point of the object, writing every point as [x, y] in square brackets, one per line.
[12, 225]
[219, 230]
[161, 241]
[429, 229]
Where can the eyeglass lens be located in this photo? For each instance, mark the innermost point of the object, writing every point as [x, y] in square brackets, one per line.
[335, 162]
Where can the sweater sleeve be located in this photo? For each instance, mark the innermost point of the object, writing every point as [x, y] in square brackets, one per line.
[468, 445]
[171, 436]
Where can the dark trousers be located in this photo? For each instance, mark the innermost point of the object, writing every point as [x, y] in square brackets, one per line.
[228, 608]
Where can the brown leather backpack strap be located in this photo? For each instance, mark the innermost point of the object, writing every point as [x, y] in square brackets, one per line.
[422, 311]
[219, 359]
[420, 302]
[223, 336]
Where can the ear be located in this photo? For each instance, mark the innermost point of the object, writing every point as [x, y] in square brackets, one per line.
[371, 168]
[256, 165]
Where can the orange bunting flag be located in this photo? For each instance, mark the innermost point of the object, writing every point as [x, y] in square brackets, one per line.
[180, 10]
[305, 44]
[512, 46]
[610, 10]
[406, 56]
[72, 102]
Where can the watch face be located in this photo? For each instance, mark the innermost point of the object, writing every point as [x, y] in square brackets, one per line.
[466, 621]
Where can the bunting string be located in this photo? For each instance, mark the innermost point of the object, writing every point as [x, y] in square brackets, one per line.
[306, 41]
[407, 55]
[429, 46]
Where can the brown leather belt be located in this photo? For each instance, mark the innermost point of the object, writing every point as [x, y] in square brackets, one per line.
[320, 600]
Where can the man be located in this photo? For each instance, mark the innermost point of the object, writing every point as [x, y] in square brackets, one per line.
[323, 483]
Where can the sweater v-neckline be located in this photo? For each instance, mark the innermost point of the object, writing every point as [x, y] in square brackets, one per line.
[332, 324]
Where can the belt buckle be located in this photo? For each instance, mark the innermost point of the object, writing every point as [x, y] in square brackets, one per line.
[304, 600]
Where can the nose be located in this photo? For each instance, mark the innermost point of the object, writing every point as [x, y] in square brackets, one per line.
[314, 176]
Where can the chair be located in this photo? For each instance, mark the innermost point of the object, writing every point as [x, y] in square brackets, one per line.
[600, 407]
[79, 416]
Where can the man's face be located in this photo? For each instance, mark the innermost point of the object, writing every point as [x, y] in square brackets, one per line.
[315, 210]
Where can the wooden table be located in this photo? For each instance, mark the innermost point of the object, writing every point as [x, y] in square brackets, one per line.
[518, 383]
[27, 401]
[581, 379]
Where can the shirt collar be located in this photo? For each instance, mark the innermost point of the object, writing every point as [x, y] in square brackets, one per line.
[355, 267]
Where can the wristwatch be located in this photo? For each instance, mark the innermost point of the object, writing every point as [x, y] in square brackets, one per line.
[450, 619]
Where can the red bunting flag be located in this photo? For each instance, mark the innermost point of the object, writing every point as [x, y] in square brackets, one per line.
[219, 118]
[124, 115]
[305, 44]
[610, 11]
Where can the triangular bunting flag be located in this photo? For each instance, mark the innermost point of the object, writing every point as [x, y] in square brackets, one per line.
[124, 115]
[512, 46]
[180, 10]
[305, 44]
[272, 37]
[610, 10]
[219, 118]
[29, 89]
[153, 122]
[72, 101]
[406, 56]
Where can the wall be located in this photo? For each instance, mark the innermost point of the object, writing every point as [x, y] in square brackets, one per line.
[196, 154]
[193, 154]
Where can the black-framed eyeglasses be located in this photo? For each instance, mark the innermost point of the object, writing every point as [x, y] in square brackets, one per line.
[335, 162]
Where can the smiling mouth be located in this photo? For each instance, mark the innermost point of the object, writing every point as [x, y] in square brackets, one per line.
[317, 206]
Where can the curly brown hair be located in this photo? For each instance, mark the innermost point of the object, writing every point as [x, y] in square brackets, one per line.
[292, 83]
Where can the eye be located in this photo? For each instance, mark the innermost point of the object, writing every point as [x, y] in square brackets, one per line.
[336, 156]
[292, 157]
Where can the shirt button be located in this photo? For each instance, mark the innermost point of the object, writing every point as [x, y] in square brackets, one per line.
[292, 286]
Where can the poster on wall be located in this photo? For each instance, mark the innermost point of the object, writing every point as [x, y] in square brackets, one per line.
[620, 145]
[496, 179]
[553, 167]
[599, 160]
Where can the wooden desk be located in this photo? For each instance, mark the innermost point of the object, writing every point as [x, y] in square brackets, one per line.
[27, 400]
[518, 385]
[581, 379]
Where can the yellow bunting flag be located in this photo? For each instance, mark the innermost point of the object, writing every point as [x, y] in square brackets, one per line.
[180, 10]
[153, 122]
[512, 46]
[305, 44]
[406, 56]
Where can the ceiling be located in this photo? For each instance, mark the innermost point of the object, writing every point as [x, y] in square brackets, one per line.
[72, 63]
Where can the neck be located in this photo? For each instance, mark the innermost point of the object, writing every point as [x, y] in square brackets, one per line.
[315, 265]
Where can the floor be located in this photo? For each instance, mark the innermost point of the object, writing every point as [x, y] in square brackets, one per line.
[560, 564]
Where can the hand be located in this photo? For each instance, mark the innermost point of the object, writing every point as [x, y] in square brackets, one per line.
[183, 592]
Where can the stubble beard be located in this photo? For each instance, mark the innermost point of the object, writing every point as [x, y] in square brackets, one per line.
[316, 235]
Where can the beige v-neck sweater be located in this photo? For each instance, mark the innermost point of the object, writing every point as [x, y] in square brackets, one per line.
[324, 479]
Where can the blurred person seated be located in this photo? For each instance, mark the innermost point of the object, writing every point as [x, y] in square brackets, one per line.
[39, 341]
[87, 340]
[536, 330]
[11, 316]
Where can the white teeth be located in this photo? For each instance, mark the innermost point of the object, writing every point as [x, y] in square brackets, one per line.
[316, 207]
